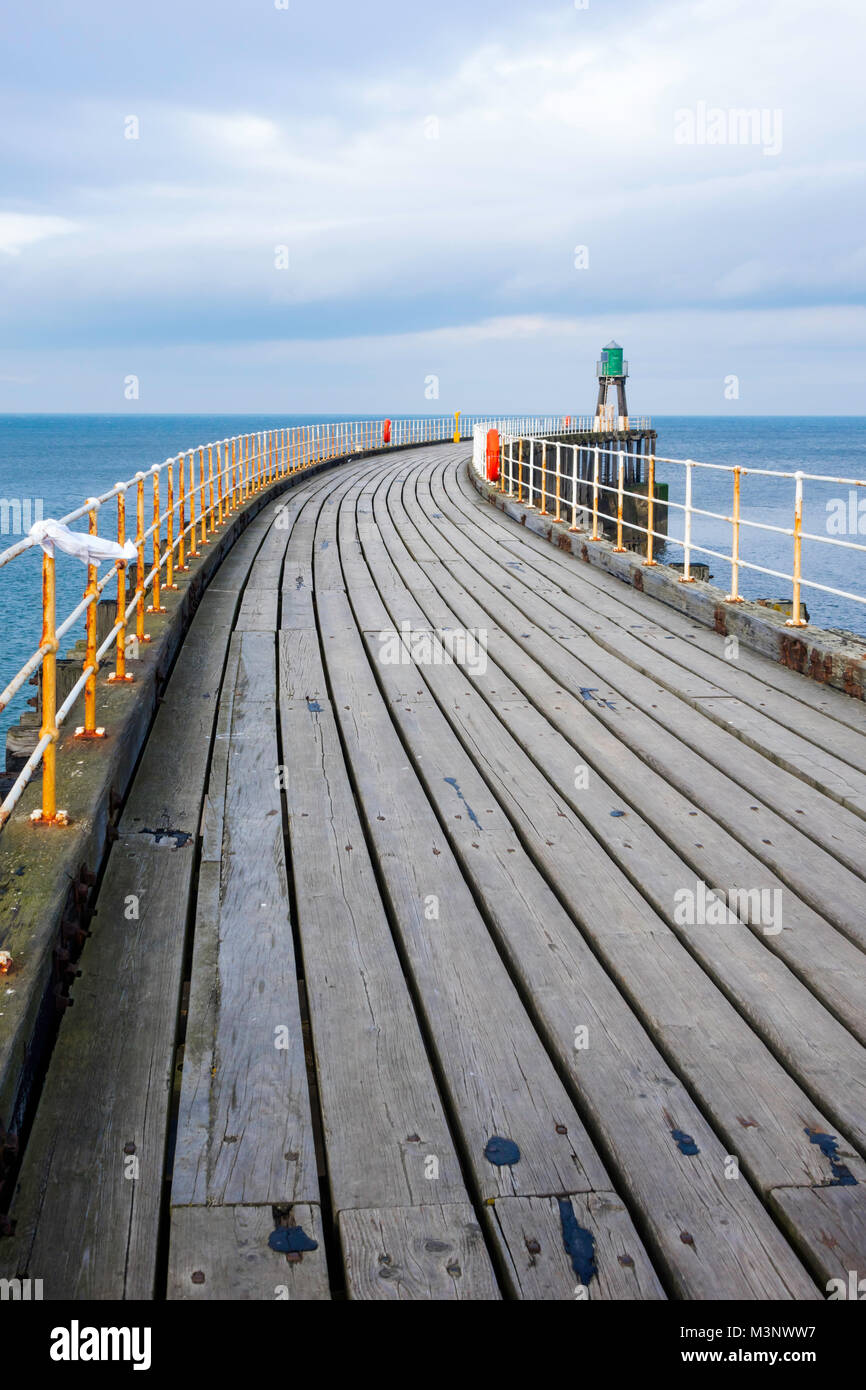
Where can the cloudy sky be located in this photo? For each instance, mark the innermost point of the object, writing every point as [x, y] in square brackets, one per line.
[329, 203]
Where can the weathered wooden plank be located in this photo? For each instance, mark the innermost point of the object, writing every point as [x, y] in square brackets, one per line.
[223, 1253]
[87, 1206]
[382, 1114]
[615, 777]
[90, 1190]
[835, 1217]
[245, 1024]
[512, 906]
[410, 1253]
[521, 781]
[690, 751]
[259, 610]
[532, 1233]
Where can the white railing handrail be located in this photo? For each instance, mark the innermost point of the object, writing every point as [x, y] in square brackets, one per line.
[520, 453]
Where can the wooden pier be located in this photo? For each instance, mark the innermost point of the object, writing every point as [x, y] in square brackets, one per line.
[404, 981]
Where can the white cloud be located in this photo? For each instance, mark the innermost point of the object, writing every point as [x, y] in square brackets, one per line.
[20, 230]
[559, 132]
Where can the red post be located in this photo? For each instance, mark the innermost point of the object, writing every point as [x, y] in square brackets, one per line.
[492, 456]
[386, 432]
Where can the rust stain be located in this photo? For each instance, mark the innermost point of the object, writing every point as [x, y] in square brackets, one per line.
[853, 679]
[820, 669]
[793, 653]
[637, 580]
[720, 620]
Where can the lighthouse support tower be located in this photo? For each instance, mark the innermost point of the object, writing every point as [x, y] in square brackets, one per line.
[612, 371]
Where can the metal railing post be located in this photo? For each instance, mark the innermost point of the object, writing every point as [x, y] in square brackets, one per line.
[210, 520]
[595, 465]
[155, 606]
[734, 595]
[530, 505]
[169, 527]
[573, 526]
[620, 476]
[556, 518]
[49, 730]
[181, 512]
[193, 543]
[140, 633]
[686, 576]
[120, 672]
[219, 459]
[543, 507]
[795, 619]
[88, 729]
[650, 515]
[202, 498]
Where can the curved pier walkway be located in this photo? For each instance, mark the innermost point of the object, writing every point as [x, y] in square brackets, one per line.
[376, 921]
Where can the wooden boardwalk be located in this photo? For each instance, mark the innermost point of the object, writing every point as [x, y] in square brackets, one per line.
[374, 918]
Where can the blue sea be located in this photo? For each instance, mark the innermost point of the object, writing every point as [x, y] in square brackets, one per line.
[62, 459]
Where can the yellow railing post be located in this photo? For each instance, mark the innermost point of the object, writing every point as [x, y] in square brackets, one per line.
[193, 525]
[202, 497]
[620, 477]
[169, 527]
[181, 513]
[595, 470]
[543, 508]
[520, 470]
[796, 609]
[48, 813]
[155, 606]
[650, 516]
[456, 439]
[210, 488]
[88, 729]
[219, 459]
[734, 595]
[120, 672]
[140, 633]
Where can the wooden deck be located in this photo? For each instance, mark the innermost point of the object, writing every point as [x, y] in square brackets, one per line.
[367, 914]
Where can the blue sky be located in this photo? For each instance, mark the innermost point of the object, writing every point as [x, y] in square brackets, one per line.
[431, 171]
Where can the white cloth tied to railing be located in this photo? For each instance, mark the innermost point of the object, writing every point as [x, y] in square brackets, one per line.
[91, 550]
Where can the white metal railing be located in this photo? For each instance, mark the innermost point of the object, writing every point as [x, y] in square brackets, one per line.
[533, 466]
[512, 427]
